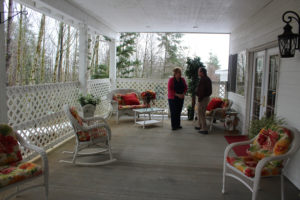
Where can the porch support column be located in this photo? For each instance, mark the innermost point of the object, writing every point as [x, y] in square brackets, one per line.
[3, 74]
[83, 59]
[112, 64]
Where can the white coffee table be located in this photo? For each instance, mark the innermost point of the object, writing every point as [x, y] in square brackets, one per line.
[148, 111]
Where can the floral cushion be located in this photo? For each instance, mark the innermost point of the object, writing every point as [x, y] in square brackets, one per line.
[13, 173]
[9, 147]
[75, 114]
[93, 134]
[118, 98]
[273, 141]
[132, 106]
[247, 165]
[269, 142]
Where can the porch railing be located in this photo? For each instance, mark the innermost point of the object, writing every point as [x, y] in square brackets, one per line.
[36, 111]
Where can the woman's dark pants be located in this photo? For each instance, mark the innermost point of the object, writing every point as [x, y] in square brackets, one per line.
[175, 105]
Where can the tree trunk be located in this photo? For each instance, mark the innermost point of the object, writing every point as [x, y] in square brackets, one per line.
[33, 74]
[66, 78]
[56, 72]
[96, 55]
[10, 80]
[42, 79]
[75, 57]
[145, 55]
[61, 51]
[18, 73]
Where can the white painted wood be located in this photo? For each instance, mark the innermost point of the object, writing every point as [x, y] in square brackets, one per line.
[83, 59]
[112, 63]
[218, 16]
[3, 96]
[66, 11]
[263, 28]
[148, 122]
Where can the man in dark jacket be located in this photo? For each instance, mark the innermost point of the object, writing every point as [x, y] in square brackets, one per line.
[204, 91]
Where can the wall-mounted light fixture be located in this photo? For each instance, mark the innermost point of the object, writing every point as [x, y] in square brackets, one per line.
[289, 41]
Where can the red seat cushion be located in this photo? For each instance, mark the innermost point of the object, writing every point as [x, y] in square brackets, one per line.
[214, 103]
[131, 99]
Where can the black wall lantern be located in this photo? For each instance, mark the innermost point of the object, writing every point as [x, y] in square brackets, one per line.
[289, 41]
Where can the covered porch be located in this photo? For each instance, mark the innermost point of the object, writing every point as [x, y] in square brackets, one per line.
[154, 163]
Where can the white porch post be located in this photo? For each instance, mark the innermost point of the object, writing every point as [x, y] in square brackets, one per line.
[3, 75]
[83, 59]
[112, 64]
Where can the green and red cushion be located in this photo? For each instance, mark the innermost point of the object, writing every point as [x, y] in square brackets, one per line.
[92, 134]
[9, 147]
[118, 98]
[269, 142]
[13, 173]
[75, 114]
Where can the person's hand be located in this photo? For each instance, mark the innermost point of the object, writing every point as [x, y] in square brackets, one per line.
[180, 96]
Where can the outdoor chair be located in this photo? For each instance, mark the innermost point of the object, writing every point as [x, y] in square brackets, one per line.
[14, 172]
[93, 136]
[216, 110]
[268, 154]
[119, 106]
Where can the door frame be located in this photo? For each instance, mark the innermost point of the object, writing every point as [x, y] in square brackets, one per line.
[250, 68]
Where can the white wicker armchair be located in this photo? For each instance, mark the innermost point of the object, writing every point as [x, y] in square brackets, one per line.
[18, 173]
[238, 168]
[93, 136]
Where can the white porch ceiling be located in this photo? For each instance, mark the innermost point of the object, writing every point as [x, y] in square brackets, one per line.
[205, 16]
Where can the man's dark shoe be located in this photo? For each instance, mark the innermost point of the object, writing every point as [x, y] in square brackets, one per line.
[197, 128]
[179, 127]
[203, 132]
[173, 128]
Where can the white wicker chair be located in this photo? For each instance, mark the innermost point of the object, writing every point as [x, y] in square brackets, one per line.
[238, 175]
[44, 173]
[92, 137]
[119, 112]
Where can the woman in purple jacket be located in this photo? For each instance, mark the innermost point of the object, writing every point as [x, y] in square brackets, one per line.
[176, 90]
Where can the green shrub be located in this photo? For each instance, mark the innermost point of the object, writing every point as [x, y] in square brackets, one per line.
[88, 99]
[264, 122]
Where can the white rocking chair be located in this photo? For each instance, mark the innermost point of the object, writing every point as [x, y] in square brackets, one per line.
[92, 135]
[260, 170]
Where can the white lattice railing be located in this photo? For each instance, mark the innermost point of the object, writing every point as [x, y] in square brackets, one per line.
[160, 87]
[36, 112]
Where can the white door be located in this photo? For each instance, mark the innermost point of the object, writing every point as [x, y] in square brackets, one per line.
[264, 88]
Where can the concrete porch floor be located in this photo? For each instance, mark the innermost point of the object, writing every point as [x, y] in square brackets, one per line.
[154, 163]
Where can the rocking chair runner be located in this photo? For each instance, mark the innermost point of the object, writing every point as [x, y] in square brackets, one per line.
[93, 137]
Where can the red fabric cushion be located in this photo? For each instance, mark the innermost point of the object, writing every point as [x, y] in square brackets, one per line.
[214, 103]
[131, 99]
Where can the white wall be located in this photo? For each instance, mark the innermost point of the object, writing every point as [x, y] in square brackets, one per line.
[261, 29]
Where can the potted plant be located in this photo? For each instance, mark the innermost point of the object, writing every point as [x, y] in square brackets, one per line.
[265, 122]
[88, 103]
[191, 112]
[191, 73]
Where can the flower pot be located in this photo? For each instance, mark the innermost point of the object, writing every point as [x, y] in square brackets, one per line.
[191, 113]
[88, 110]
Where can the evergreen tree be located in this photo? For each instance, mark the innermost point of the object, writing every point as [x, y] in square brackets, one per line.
[100, 72]
[126, 49]
[170, 43]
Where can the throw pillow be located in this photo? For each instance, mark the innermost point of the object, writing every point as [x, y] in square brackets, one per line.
[75, 114]
[131, 99]
[214, 103]
[9, 147]
[118, 98]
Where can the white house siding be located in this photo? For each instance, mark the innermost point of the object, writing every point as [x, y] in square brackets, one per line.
[263, 28]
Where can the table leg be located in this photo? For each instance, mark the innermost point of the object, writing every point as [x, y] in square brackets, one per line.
[134, 117]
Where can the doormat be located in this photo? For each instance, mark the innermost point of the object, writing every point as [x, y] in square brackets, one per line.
[238, 150]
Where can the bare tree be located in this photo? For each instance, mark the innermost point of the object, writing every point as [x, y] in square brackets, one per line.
[66, 77]
[75, 57]
[33, 74]
[8, 41]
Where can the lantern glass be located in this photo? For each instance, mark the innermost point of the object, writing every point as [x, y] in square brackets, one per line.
[287, 42]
